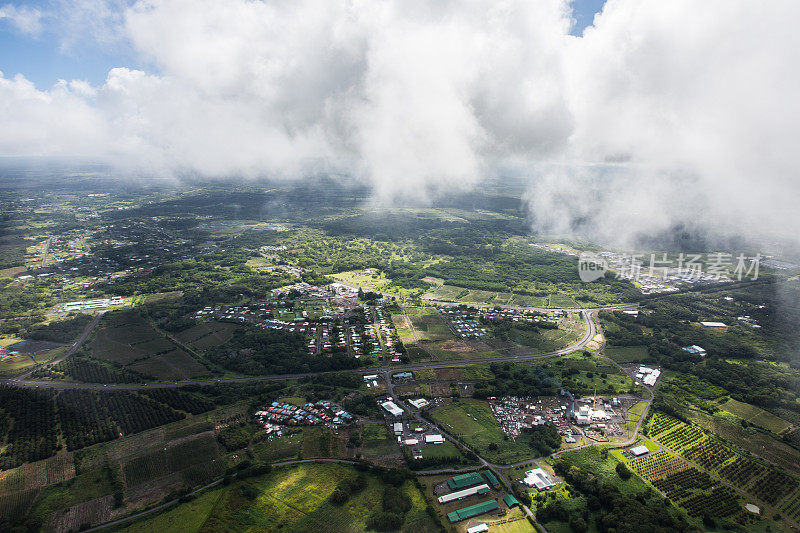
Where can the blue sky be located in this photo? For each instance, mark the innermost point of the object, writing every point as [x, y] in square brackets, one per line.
[43, 58]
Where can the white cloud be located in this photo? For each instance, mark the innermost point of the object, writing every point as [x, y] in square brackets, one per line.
[423, 97]
[25, 19]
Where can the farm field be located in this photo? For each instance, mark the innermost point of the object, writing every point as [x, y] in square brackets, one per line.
[429, 324]
[569, 330]
[128, 340]
[454, 350]
[761, 481]
[626, 354]
[288, 499]
[377, 441]
[450, 293]
[279, 449]
[189, 516]
[473, 421]
[207, 334]
[87, 486]
[756, 416]
[749, 439]
[448, 449]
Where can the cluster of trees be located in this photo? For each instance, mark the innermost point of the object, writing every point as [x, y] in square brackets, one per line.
[65, 331]
[486, 260]
[12, 256]
[34, 297]
[394, 506]
[361, 404]
[83, 421]
[348, 487]
[516, 380]
[235, 437]
[609, 509]
[202, 280]
[28, 425]
[80, 367]
[134, 413]
[544, 439]
[257, 392]
[268, 351]
[468, 459]
[179, 400]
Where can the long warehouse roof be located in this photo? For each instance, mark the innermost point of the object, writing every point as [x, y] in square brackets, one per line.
[472, 510]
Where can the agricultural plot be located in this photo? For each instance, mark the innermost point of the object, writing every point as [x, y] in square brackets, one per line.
[145, 468]
[627, 354]
[196, 458]
[73, 518]
[33, 476]
[562, 301]
[186, 453]
[378, 442]
[524, 300]
[16, 504]
[428, 324]
[756, 416]
[288, 499]
[763, 482]
[791, 507]
[318, 443]
[689, 487]
[448, 449]
[174, 364]
[85, 487]
[127, 339]
[278, 449]
[751, 440]
[203, 473]
[189, 516]
[446, 293]
[207, 334]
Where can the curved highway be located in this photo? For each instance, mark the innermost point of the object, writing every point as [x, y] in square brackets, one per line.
[589, 317]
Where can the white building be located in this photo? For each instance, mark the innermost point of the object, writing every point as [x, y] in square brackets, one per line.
[434, 439]
[714, 324]
[419, 403]
[695, 350]
[392, 408]
[463, 493]
[538, 478]
[638, 451]
[480, 528]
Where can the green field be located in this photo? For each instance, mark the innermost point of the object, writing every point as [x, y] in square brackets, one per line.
[279, 449]
[86, 486]
[474, 422]
[428, 324]
[448, 449]
[189, 516]
[593, 459]
[569, 331]
[626, 354]
[756, 416]
[289, 499]
[128, 340]
[378, 441]
[207, 334]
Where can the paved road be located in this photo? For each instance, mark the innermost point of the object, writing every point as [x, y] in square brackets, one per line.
[46, 250]
[72, 349]
[589, 316]
[592, 328]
